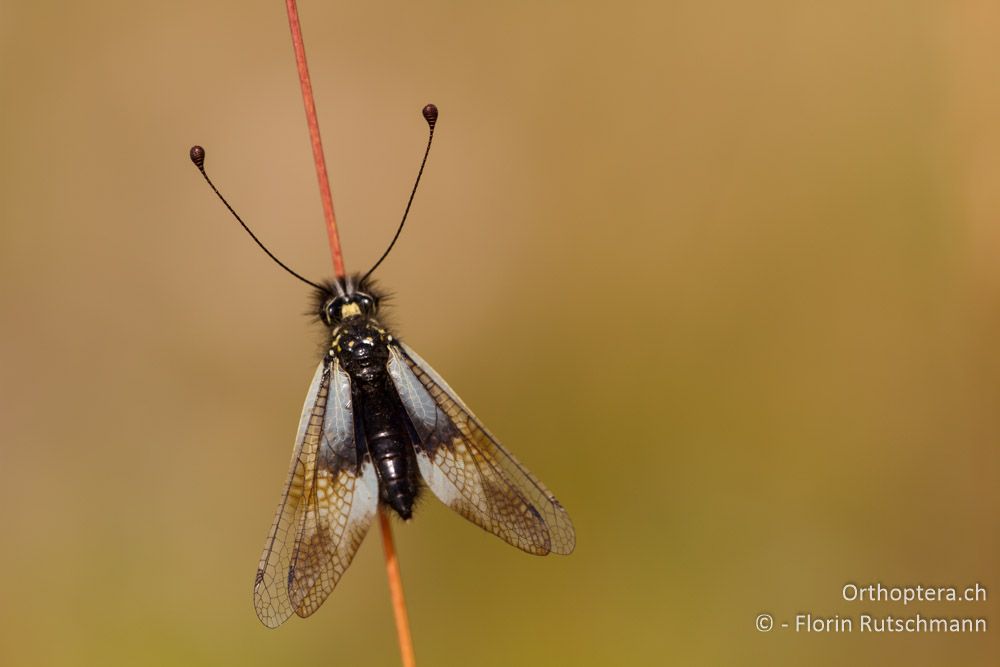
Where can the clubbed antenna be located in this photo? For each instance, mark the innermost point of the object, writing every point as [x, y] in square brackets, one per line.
[198, 157]
[430, 113]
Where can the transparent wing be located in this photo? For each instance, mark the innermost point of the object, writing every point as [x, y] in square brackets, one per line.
[270, 590]
[468, 470]
[325, 510]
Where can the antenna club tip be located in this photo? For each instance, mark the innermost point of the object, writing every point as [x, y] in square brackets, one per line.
[198, 156]
[430, 115]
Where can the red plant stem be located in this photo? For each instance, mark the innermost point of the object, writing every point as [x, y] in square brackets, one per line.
[396, 591]
[391, 562]
[317, 143]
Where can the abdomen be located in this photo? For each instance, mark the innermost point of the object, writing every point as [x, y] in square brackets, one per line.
[381, 423]
[387, 438]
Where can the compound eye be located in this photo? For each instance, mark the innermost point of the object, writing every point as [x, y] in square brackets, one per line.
[331, 312]
[367, 305]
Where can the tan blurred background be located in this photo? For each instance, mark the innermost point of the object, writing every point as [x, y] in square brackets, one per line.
[725, 275]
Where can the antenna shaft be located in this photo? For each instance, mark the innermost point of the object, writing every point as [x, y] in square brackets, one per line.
[430, 113]
[198, 157]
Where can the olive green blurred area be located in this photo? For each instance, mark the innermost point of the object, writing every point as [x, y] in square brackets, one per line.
[726, 276]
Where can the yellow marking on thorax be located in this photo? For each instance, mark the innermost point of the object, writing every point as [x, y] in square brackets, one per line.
[335, 343]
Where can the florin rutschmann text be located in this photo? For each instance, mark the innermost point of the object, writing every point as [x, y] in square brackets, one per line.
[869, 621]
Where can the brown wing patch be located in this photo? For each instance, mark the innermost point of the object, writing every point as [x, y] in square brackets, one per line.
[473, 487]
[336, 521]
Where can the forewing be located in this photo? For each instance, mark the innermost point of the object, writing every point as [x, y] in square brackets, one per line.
[270, 590]
[326, 509]
[468, 470]
[341, 504]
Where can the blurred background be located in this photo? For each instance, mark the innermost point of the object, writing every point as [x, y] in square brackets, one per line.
[724, 275]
